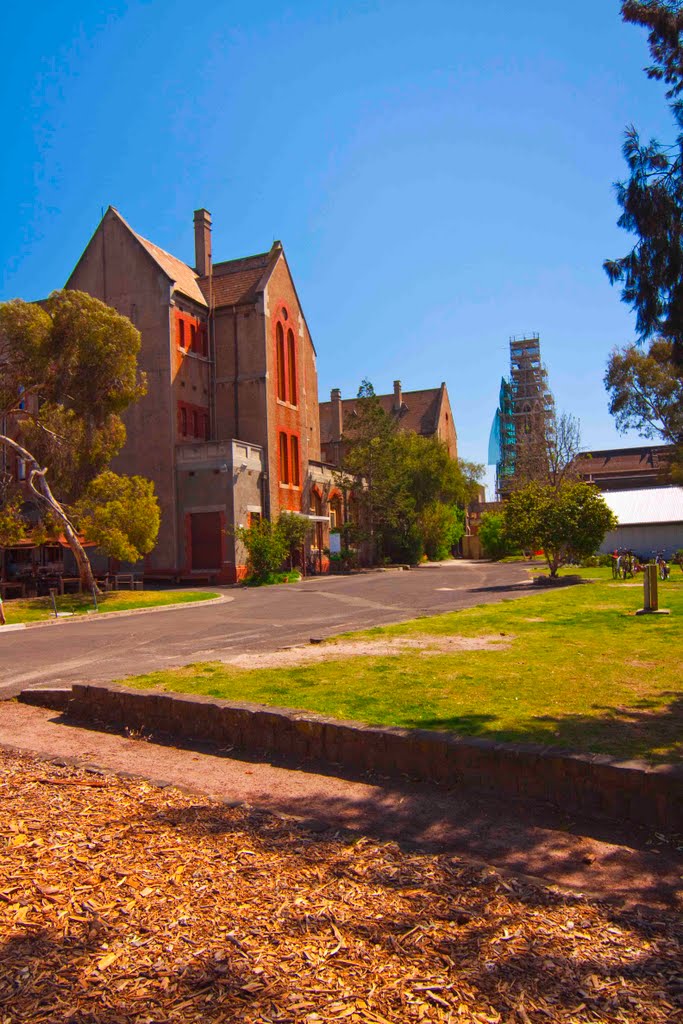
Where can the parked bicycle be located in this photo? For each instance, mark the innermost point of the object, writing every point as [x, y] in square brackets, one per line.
[663, 565]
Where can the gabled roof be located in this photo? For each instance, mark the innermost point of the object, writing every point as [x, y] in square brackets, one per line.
[419, 412]
[231, 283]
[184, 278]
[649, 505]
[647, 463]
[238, 281]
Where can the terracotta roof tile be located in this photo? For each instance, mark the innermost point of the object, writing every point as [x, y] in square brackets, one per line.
[419, 412]
[184, 277]
[236, 281]
[646, 463]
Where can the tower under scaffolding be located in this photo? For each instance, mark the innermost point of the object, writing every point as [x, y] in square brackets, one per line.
[525, 408]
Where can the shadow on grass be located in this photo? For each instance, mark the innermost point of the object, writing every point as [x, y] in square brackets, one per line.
[645, 730]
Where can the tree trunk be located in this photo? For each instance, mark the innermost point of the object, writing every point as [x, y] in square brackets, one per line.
[41, 489]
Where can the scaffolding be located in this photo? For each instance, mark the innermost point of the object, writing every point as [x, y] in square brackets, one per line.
[525, 408]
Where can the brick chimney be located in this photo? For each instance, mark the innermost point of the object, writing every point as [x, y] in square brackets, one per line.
[398, 397]
[202, 242]
[337, 414]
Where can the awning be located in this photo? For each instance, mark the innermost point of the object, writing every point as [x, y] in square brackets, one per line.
[303, 515]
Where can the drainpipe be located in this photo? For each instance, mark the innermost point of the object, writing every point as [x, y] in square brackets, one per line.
[236, 369]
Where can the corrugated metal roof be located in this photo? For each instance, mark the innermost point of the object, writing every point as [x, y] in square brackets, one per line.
[647, 505]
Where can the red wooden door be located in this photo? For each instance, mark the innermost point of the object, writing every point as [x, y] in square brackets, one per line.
[205, 533]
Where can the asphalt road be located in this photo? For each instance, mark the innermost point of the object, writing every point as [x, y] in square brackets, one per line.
[268, 618]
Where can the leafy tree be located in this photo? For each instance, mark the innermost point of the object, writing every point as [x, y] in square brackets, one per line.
[266, 549]
[120, 514]
[293, 529]
[566, 521]
[369, 459]
[441, 527]
[12, 523]
[68, 369]
[492, 535]
[645, 392]
[406, 483]
[652, 198]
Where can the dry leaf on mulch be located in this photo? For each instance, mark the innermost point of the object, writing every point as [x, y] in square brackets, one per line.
[125, 902]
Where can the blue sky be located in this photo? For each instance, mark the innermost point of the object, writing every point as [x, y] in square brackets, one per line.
[440, 174]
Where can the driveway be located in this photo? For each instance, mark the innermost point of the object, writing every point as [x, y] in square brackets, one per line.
[266, 618]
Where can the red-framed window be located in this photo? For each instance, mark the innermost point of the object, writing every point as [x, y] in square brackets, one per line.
[291, 367]
[193, 421]
[295, 470]
[280, 362]
[288, 459]
[284, 458]
[191, 333]
[285, 359]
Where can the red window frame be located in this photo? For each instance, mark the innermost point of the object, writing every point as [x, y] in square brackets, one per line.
[295, 470]
[286, 375]
[284, 457]
[291, 367]
[280, 361]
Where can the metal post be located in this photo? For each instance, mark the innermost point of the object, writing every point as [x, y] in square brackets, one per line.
[54, 601]
[94, 597]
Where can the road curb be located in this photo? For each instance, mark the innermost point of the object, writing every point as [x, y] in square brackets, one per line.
[220, 598]
[592, 785]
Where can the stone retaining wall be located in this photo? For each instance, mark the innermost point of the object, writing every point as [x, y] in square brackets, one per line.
[589, 784]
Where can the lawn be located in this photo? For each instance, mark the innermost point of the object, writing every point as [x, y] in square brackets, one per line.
[36, 609]
[570, 666]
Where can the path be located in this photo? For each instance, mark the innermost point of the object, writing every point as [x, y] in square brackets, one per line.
[601, 860]
[266, 618]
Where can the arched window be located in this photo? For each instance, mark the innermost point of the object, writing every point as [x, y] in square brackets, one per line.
[280, 357]
[335, 513]
[291, 367]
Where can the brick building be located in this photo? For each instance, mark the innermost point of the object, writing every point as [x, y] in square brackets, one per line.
[426, 412]
[625, 469]
[229, 429]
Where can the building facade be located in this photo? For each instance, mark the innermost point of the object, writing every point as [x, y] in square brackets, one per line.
[626, 469]
[426, 412]
[229, 429]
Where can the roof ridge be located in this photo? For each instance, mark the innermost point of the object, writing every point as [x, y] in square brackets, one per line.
[242, 259]
[148, 241]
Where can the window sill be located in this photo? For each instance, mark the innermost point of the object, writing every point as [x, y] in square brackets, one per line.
[189, 352]
[287, 405]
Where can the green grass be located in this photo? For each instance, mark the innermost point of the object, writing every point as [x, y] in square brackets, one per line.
[581, 671]
[36, 609]
[272, 579]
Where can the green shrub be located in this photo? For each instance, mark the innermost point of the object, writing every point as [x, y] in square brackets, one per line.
[593, 561]
[492, 536]
[266, 547]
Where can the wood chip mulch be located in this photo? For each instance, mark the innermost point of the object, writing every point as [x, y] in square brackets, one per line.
[122, 902]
